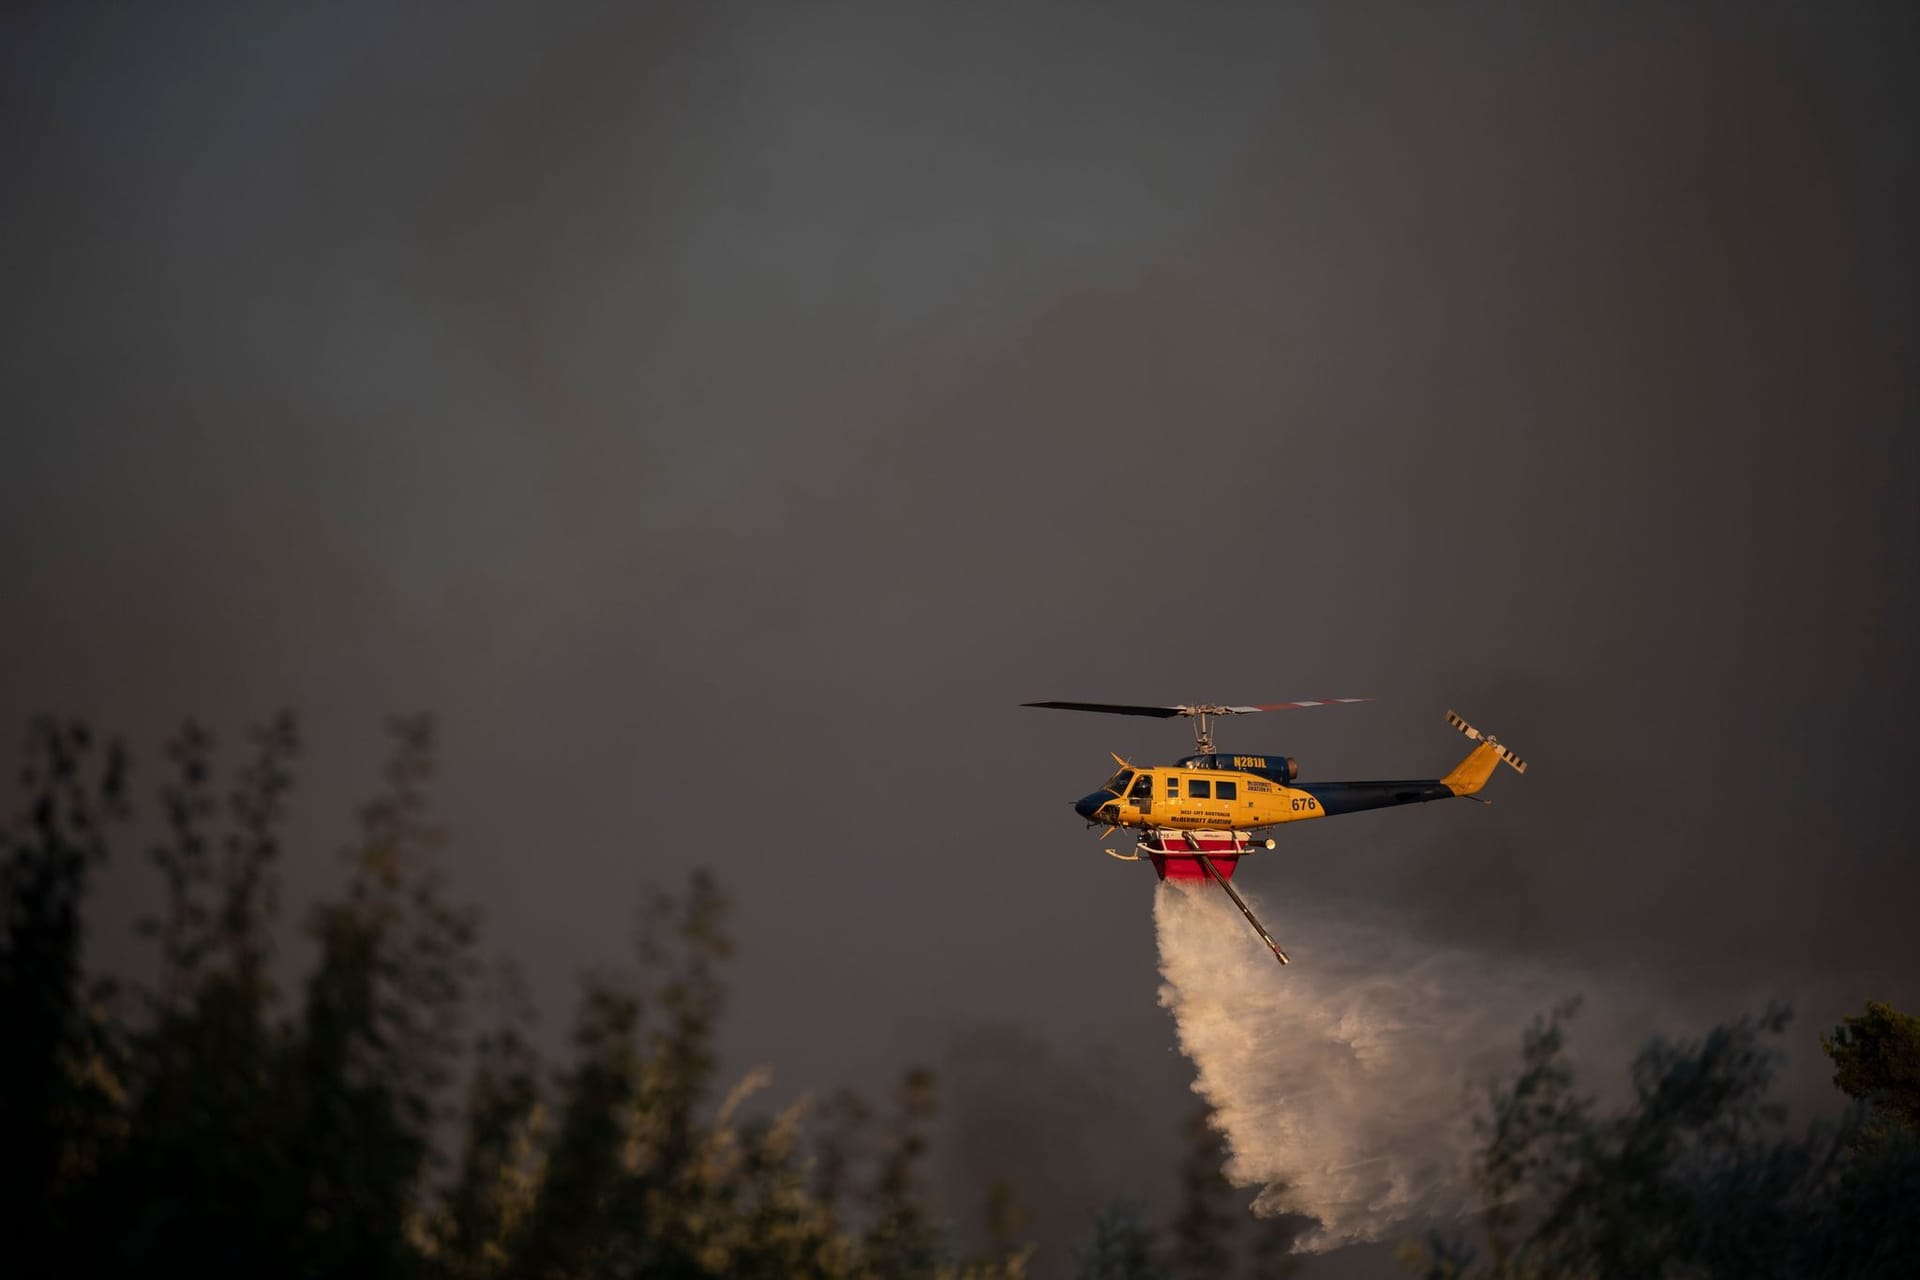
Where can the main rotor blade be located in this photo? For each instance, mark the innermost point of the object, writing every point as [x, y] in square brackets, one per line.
[1113, 708]
[1167, 713]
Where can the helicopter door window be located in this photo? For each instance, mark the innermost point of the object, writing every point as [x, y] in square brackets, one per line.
[1142, 793]
[1226, 790]
[1173, 788]
[1199, 789]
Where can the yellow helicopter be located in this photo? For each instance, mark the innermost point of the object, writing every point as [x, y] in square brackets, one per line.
[1198, 817]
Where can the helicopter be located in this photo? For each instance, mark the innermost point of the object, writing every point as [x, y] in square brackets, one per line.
[1199, 816]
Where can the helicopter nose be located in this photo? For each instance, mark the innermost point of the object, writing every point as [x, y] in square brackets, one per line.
[1087, 806]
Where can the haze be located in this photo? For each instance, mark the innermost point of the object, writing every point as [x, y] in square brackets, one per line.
[723, 417]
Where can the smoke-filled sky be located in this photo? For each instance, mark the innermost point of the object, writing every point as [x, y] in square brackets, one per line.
[723, 416]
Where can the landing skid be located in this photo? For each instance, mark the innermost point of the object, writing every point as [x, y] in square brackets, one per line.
[1156, 842]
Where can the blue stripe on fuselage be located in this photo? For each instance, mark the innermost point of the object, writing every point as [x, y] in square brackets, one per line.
[1352, 797]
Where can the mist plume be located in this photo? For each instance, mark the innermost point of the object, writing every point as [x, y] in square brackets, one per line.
[1347, 1082]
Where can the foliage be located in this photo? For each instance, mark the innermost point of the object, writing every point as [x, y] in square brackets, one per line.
[1207, 1213]
[205, 1126]
[59, 1089]
[1876, 1056]
[1212, 1228]
[1121, 1248]
[209, 1123]
[1695, 1176]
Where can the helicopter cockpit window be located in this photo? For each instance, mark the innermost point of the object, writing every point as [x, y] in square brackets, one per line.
[1118, 782]
[1142, 789]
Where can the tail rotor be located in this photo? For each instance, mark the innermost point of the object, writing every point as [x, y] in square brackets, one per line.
[1519, 765]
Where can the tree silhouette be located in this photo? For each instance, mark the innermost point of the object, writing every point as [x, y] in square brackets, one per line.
[59, 1077]
[1695, 1175]
[1876, 1058]
[208, 1123]
[1202, 1229]
[1121, 1247]
[206, 1127]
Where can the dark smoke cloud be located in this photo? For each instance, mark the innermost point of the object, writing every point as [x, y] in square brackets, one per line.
[672, 392]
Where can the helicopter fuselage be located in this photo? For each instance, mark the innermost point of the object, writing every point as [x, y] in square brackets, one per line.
[1231, 792]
